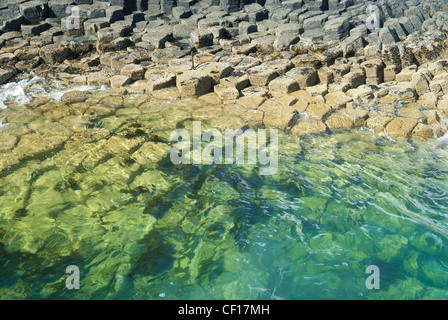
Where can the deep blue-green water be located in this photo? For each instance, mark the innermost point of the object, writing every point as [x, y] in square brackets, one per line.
[337, 204]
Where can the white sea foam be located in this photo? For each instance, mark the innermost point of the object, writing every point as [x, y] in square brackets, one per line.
[443, 138]
[25, 91]
[14, 91]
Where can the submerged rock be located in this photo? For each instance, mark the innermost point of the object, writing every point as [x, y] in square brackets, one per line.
[309, 126]
[75, 96]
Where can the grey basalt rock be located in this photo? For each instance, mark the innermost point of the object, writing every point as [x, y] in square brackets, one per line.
[337, 28]
[267, 25]
[256, 12]
[288, 29]
[152, 13]
[207, 23]
[292, 4]
[359, 31]
[388, 36]
[8, 36]
[241, 27]
[34, 29]
[140, 26]
[78, 2]
[6, 74]
[13, 5]
[279, 14]
[407, 25]
[114, 13]
[397, 27]
[220, 32]
[312, 35]
[283, 43]
[186, 3]
[294, 15]
[198, 8]
[201, 38]
[94, 11]
[92, 26]
[105, 34]
[135, 17]
[321, 5]
[352, 46]
[315, 22]
[167, 6]
[272, 4]
[247, 27]
[229, 5]
[97, 10]
[127, 5]
[122, 28]
[34, 11]
[141, 5]
[181, 13]
[158, 36]
[12, 22]
[59, 8]
[183, 31]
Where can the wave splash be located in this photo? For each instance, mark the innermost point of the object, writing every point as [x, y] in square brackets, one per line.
[25, 91]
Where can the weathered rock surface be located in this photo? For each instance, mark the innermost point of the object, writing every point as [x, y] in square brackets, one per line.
[304, 76]
[309, 126]
[54, 53]
[6, 74]
[193, 83]
[342, 72]
[401, 127]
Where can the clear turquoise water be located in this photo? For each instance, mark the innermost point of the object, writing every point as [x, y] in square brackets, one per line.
[154, 230]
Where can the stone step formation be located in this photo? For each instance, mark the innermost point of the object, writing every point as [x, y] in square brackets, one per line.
[349, 24]
[317, 19]
[343, 53]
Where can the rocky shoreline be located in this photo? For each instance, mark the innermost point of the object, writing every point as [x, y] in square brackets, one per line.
[304, 66]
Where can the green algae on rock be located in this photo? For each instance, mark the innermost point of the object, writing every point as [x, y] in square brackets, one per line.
[94, 186]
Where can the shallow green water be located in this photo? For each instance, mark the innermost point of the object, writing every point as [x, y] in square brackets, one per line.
[153, 230]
